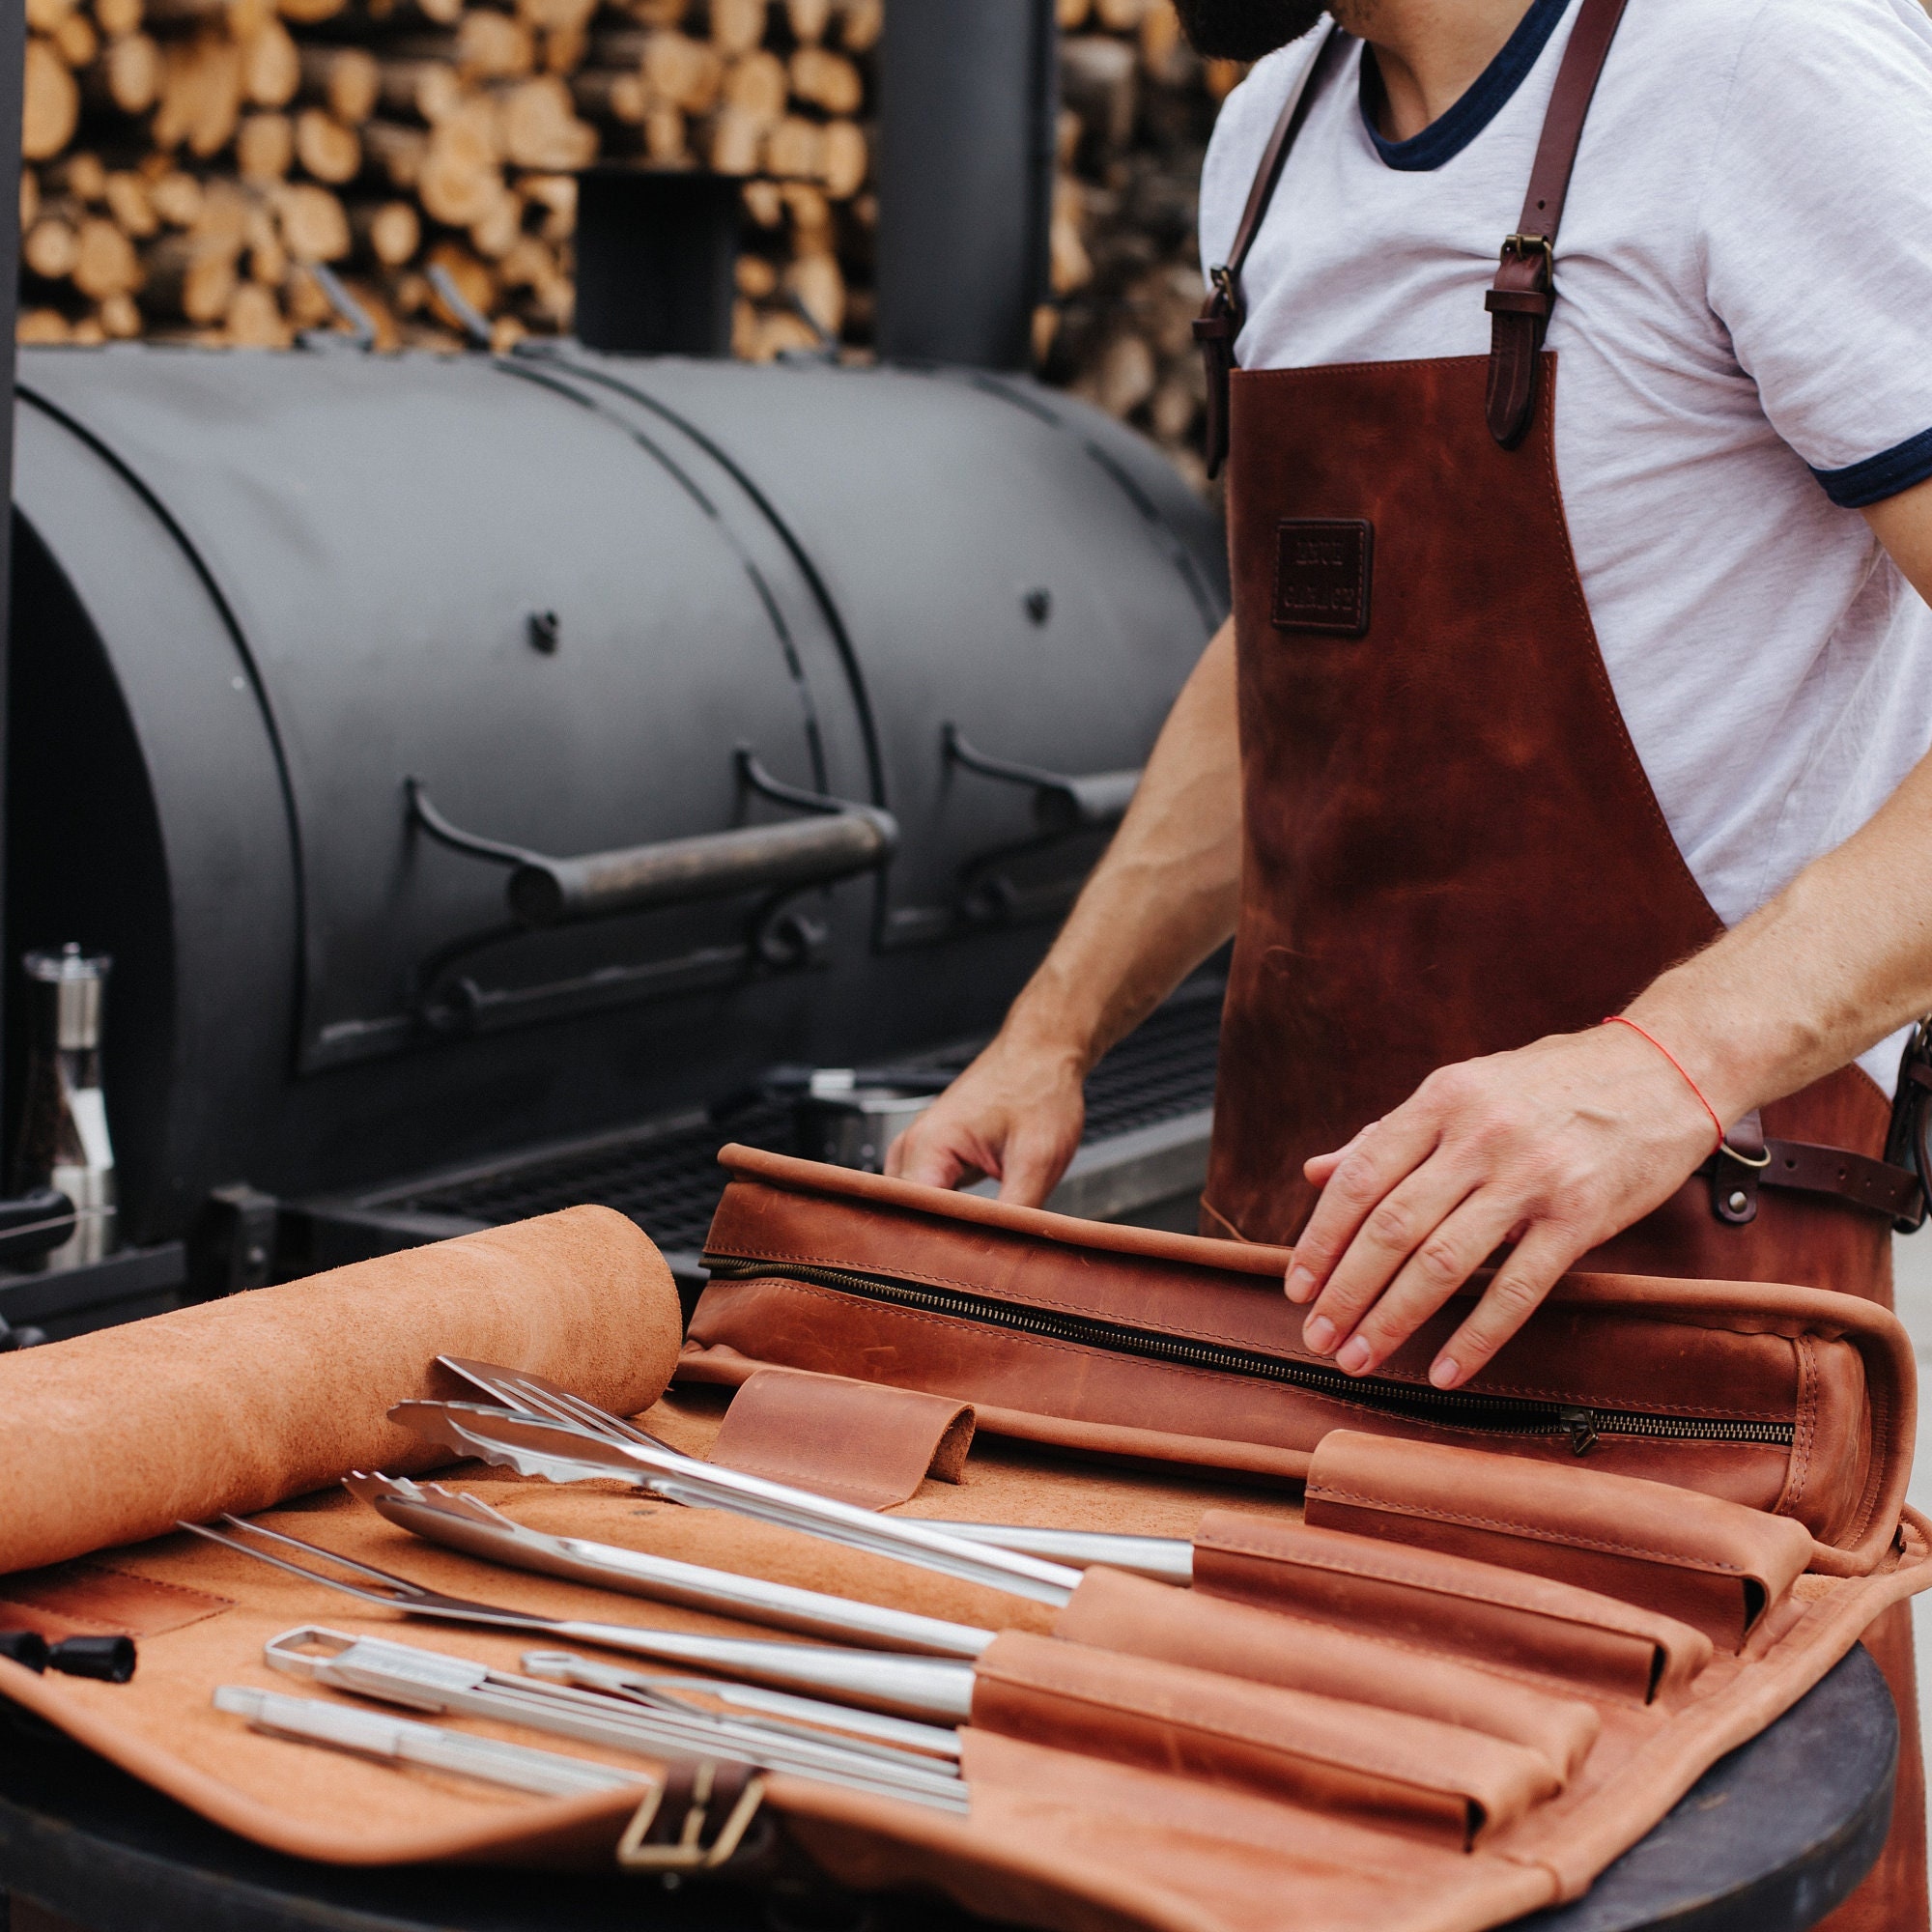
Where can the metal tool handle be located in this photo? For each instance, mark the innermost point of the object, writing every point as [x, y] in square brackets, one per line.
[1062, 802]
[1167, 1559]
[933, 1688]
[841, 841]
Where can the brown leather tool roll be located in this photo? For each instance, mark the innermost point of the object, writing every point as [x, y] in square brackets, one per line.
[1112, 1610]
[240, 1404]
[1385, 1768]
[1124, 1340]
[1447, 1603]
[1706, 1562]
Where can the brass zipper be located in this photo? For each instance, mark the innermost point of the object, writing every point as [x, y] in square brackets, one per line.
[1454, 1408]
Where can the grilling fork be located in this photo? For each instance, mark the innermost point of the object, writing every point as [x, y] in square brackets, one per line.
[1168, 1559]
[912, 1686]
[569, 1450]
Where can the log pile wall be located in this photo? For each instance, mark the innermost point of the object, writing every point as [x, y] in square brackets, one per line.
[189, 162]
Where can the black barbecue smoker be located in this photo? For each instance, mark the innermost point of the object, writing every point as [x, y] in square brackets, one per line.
[496, 780]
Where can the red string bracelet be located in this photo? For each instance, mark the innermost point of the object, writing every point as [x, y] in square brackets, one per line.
[1618, 1019]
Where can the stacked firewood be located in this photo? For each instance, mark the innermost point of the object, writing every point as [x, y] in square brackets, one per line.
[189, 162]
[1137, 106]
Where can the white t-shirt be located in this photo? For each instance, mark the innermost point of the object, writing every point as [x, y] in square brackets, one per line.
[1743, 325]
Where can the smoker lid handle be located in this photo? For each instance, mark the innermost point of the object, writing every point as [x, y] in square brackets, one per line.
[33, 1222]
[1062, 802]
[840, 841]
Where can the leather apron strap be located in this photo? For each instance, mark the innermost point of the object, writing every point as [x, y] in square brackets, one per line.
[1221, 321]
[1525, 291]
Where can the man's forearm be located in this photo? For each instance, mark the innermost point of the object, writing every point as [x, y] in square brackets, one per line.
[1165, 895]
[1843, 955]
[1838, 960]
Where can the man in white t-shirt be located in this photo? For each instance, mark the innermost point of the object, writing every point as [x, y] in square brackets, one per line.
[1563, 771]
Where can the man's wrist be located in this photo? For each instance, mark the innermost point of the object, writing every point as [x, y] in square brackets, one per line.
[1710, 1053]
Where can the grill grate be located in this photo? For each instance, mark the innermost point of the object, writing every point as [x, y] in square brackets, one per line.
[667, 1180]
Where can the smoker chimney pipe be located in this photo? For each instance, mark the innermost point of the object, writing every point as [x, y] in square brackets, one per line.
[969, 98]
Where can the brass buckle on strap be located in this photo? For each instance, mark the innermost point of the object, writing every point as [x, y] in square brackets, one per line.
[1523, 245]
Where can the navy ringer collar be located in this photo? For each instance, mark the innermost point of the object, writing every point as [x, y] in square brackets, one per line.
[1448, 134]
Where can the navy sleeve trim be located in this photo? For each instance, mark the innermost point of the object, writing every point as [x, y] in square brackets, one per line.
[1880, 476]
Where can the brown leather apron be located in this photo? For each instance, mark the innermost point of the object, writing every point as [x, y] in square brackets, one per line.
[1450, 846]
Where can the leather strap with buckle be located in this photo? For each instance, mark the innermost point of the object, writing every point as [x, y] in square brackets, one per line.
[1220, 321]
[1748, 1161]
[1521, 299]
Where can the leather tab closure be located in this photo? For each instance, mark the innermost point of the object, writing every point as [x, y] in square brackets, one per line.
[1520, 303]
[1748, 1161]
[1215, 329]
[864, 1444]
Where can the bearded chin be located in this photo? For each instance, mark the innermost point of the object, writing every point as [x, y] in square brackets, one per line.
[1244, 30]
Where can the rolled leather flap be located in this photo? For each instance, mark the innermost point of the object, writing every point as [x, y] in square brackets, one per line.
[236, 1404]
[1387, 1767]
[865, 1443]
[1709, 1563]
[1132, 1342]
[1112, 1610]
[1417, 1596]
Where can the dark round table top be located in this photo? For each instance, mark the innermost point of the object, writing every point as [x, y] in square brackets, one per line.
[1769, 1840]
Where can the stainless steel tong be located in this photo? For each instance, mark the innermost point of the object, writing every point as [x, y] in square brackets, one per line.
[913, 1687]
[463, 1523]
[1167, 1559]
[628, 1711]
[569, 1452]
[367, 1734]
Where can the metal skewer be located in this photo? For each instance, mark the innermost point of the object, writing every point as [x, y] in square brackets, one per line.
[467, 1523]
[570, 1452]
[637, 1719]
[913, 1687]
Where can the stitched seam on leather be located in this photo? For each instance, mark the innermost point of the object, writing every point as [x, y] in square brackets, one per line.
[1598, 671]
[126, 1576]
[1365, 1762]
[828, 1486]
[1806, 1431]
[1509, 1673]
[1564, 1541]
[1427, 1584]
[1053, 1304]
[1880, 1401]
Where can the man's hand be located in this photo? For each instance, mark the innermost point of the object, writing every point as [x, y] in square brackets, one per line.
[1016, 1114]
[1550, 1149]
[1160, 900]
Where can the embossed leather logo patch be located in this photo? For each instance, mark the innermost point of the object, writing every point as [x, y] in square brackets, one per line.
[1322, 571]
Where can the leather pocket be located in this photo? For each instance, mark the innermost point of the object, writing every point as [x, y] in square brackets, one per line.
[1112, 1610]
[1709, 1563]
[1448, 1604]
[1385, 1768]
[865, 1443]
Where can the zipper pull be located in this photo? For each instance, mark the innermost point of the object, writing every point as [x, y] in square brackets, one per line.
[1582, 1422]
